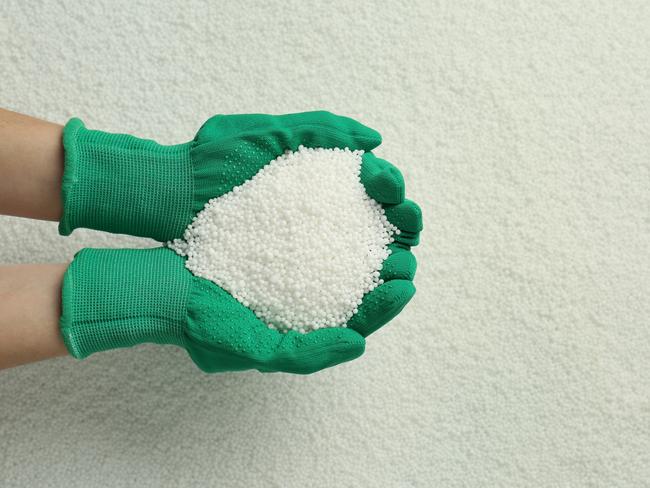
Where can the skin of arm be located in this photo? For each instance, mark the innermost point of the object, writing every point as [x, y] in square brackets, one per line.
[30, 298]
[31, 164]
[31, 168]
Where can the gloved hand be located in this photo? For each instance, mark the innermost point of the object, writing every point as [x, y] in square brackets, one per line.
[122, 297]
[119, 298]
[123, 184]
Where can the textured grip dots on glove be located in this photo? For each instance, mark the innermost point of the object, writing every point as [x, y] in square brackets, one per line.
[381, 305]
[223, 335]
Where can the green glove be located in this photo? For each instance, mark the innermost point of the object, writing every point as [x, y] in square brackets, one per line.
[122, 297]
[123, 184]
[114, 298]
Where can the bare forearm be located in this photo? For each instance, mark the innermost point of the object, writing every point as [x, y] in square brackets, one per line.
[31, 166]
[30, 306]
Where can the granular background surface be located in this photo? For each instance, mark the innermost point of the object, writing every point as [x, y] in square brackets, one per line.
[522, 131]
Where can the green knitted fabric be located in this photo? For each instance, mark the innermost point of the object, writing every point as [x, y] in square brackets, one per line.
[120, 298]
[116, 298]
[119, 183]
[123, 184]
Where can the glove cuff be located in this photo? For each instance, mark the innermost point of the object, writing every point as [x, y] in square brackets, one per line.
[114, 298]
[122, 184]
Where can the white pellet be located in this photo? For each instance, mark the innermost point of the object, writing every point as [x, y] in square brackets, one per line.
[299, 244]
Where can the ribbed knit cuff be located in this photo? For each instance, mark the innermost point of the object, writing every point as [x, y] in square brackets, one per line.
[115, 298]
[122, 184]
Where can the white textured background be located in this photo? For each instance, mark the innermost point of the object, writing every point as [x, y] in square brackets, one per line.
[523, 132]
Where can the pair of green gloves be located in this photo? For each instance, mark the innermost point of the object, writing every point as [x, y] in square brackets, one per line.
[122, 297]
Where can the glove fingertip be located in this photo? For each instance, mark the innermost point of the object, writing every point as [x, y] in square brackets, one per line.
[325, 348]
[372, 139]
[381, 305]
[406, 216]
[382, 181]
[399, 266]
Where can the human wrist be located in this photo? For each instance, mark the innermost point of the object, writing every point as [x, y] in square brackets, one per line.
[123, 184]
[113, 298]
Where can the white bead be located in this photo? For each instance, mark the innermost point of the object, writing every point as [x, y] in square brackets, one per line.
[300, 243]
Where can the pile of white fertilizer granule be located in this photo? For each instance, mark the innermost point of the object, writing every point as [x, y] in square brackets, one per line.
[299, 244]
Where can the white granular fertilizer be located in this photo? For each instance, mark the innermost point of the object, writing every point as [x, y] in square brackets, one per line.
[299, 244]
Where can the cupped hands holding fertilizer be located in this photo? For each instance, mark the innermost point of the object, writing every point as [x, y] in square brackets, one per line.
[288, 242]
